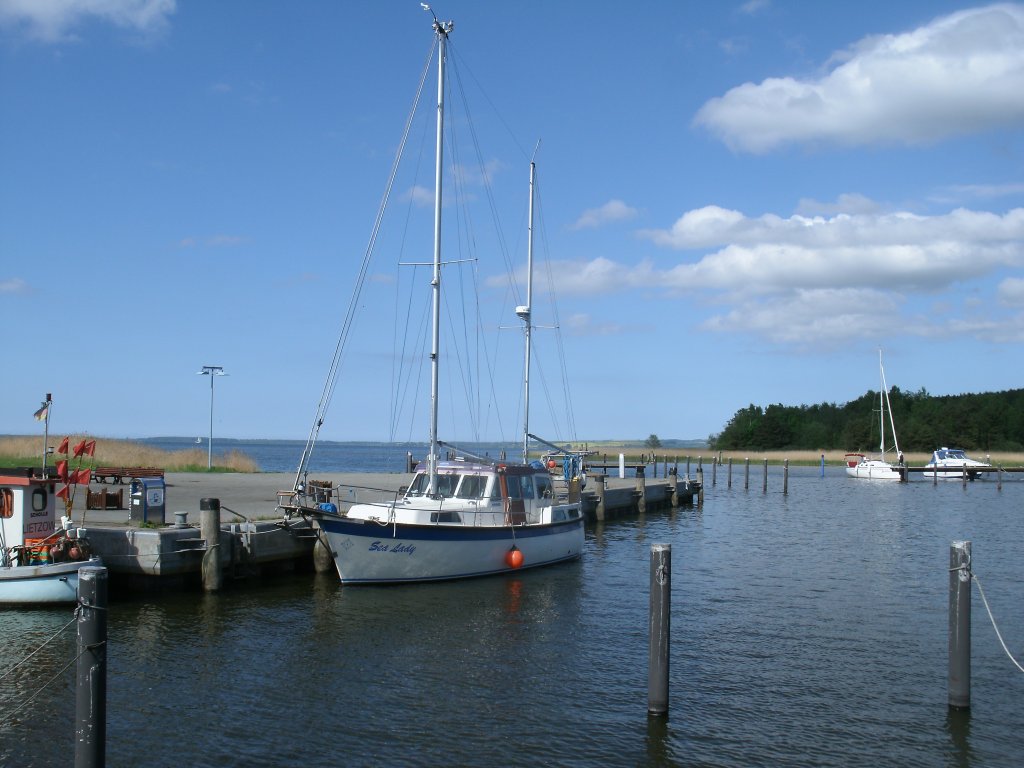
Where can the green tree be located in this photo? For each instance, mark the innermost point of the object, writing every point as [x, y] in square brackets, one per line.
[653, 442]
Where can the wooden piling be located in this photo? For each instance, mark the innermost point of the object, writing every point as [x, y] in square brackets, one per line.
[700, 487]
[730, 472]
[209, 529]
[960, 625]
[714, 473]
[764, 484]
[91, 671]
[600, 486]
[673, 486]
[659, 623]
[785, 477]
[746, 474]
[641, 490]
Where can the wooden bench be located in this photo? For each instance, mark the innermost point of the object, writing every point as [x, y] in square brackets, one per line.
[116, 475]
[104, 499]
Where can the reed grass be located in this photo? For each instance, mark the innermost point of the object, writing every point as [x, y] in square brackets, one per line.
[19, 450]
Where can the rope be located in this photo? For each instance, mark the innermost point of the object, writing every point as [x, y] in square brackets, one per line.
[10, 715]
[47, 642]
[993, 620]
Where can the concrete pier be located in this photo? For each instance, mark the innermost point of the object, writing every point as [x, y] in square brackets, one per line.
[254, 538]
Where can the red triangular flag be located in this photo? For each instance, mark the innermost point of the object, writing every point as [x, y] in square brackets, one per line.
[62, 493]
[73, 479]
[62, 469]
[84, 476]
[80, 449]
[90, 447]
[63, 447]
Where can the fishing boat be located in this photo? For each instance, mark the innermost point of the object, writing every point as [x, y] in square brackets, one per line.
[953, 464]
[463, 515]
[39, 560]
[878, 467]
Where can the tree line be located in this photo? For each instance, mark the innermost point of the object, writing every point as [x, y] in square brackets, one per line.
[991, 421]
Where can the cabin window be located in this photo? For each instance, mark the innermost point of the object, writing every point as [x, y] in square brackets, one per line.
[495, 490]
[472, 487]
[515, 490]
[446, 485]
[419, 485]
[543, 487]
[6, 502]
[39, 500]
[526, 483]
[445, 517]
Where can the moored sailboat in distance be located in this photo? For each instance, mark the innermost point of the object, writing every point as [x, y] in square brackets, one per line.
[878, 467]
[460, 517]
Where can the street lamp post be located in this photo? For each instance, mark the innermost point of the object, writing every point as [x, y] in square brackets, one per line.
[211, 371]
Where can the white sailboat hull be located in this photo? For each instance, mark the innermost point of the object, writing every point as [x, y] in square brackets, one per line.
[366, 552]
[49, 584]
[873, 469]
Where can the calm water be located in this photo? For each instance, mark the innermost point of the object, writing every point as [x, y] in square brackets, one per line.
[807, 630]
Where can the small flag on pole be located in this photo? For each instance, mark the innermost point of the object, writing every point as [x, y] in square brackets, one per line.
[40, 415]
[63, 448]
[79, 449]
[90, 448]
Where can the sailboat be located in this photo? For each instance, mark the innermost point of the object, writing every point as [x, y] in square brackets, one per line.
[463, 516]
[878, 468]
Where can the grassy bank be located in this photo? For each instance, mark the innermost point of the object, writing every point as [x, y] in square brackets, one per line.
[23, 451]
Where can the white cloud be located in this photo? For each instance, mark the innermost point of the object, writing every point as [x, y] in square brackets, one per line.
[808, 281]
[847, 203]
[52, 20]
[1011, 292]
[612, 211]
[13, 285]
[958, 75]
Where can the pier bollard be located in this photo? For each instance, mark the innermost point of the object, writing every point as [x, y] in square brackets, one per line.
[700, 487]
[641, 490]
[960, 625]
[659, 622]
[91, 671]
[785, 477]
[764, 484]
[730, 472]
[673, 485]
[209, 529]
[600, 486]
[622, 466]
[746, 474]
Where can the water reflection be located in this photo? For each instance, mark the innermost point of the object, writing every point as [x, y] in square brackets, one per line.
[958, 726]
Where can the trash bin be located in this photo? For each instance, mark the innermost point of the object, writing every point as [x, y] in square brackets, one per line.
[147, 500]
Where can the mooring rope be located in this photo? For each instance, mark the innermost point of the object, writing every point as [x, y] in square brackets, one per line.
[62, 670]
[992, 618]
[47, 642]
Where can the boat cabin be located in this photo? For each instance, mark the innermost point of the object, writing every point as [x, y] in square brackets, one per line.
[28, 515]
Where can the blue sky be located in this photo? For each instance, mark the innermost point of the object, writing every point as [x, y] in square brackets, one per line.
[741, 203]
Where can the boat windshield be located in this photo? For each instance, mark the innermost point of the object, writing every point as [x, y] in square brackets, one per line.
[955, 453]
[472, 487]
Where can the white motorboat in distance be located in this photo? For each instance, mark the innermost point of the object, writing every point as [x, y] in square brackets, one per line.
[951, 463]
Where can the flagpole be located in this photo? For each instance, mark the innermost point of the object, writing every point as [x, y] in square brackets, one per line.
[46, 429]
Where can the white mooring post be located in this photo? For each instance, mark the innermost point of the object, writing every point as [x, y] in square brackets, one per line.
[960, 625]
[659, 625]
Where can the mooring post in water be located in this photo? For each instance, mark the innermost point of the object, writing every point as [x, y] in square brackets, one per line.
[641, 489]
[209, 529]
[730, 472]
[600, 486]
[999, 478]
[960, 625]
[785, 477]
[714, 473]
[673, 485]
[659, 624]
[91, 677]
[746, 474]
[823, 465]
[700, 486]
[764, 485]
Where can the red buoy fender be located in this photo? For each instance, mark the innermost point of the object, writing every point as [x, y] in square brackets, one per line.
[514, 557]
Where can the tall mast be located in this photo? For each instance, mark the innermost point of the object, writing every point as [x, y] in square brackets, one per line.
[886, 405]
[442, 29]
[524, 313]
